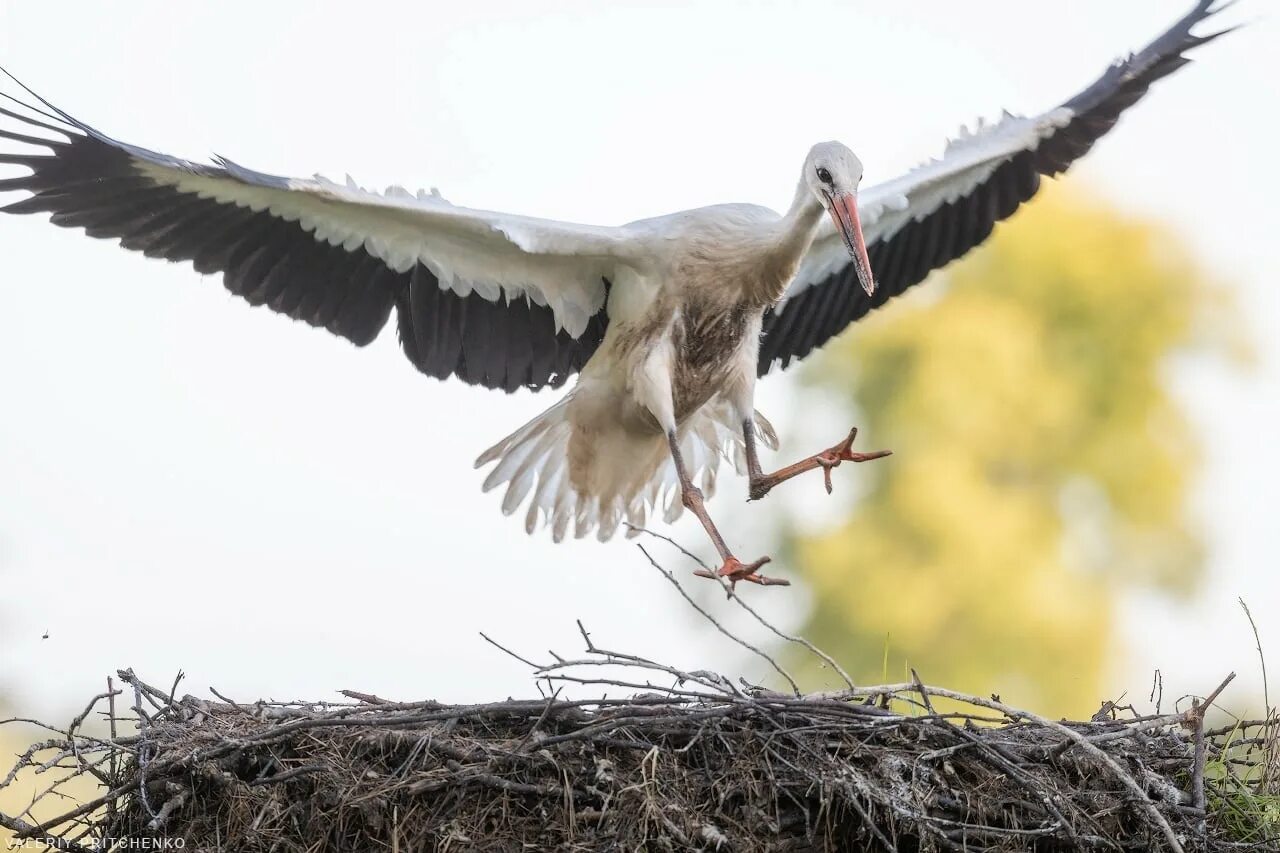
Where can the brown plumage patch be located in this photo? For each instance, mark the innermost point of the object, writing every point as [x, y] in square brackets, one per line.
[708, 338]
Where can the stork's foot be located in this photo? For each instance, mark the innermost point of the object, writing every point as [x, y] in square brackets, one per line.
[735, 570]
[826, 460]
[843, 452]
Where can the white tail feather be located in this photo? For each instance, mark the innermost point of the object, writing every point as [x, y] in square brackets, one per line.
[632, 475]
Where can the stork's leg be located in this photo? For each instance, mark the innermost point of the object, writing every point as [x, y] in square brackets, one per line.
[761, 483]
[691, 496]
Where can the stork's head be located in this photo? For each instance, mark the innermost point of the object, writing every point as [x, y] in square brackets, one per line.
[832, 173]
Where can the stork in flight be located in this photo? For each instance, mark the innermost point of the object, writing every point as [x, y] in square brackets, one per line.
[667, 321]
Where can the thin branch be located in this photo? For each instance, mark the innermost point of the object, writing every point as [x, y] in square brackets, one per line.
[507, 651]
[1262, 660]
[923, 691]
[827, 659]
[671, 578]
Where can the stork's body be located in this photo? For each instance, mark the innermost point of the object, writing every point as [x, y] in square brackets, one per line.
[693, 339]
[668, 321]
[672, 383]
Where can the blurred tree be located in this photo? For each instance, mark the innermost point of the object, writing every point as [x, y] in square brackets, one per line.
[1040, 460]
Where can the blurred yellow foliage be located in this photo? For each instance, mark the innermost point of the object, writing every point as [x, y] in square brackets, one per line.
[1040, 460]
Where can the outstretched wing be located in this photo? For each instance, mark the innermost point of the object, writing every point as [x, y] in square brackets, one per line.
[935, 213]
[496, 300]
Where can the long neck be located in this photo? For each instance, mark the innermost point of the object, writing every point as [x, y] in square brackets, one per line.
[791, 239]
[801, 220]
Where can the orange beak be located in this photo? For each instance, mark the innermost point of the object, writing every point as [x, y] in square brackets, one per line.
[843, 208]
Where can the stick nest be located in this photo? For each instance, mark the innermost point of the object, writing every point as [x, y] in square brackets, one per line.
[664, 760]
[705, 764]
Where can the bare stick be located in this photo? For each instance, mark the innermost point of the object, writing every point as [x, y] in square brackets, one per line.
[1197, 766]
[1212, 697]
[22, 829]
[44, 827]
[114, 766]
[1194, 718]
[368, 698]
[924, 693]
[508, 651]
[174, 689]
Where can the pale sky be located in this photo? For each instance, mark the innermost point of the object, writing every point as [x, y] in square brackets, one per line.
[189, 483]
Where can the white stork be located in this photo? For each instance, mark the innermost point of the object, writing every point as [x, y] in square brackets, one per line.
[667, 321]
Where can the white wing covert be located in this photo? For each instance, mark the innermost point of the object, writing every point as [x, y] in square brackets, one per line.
[495, 299]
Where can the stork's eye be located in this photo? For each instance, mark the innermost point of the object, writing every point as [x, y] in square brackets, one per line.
[824, 176]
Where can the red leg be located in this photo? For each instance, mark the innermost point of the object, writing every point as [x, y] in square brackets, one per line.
[761, 484]
[732, 568]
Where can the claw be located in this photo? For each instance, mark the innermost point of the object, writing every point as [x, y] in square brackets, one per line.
[735, 570]
[843, 452]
